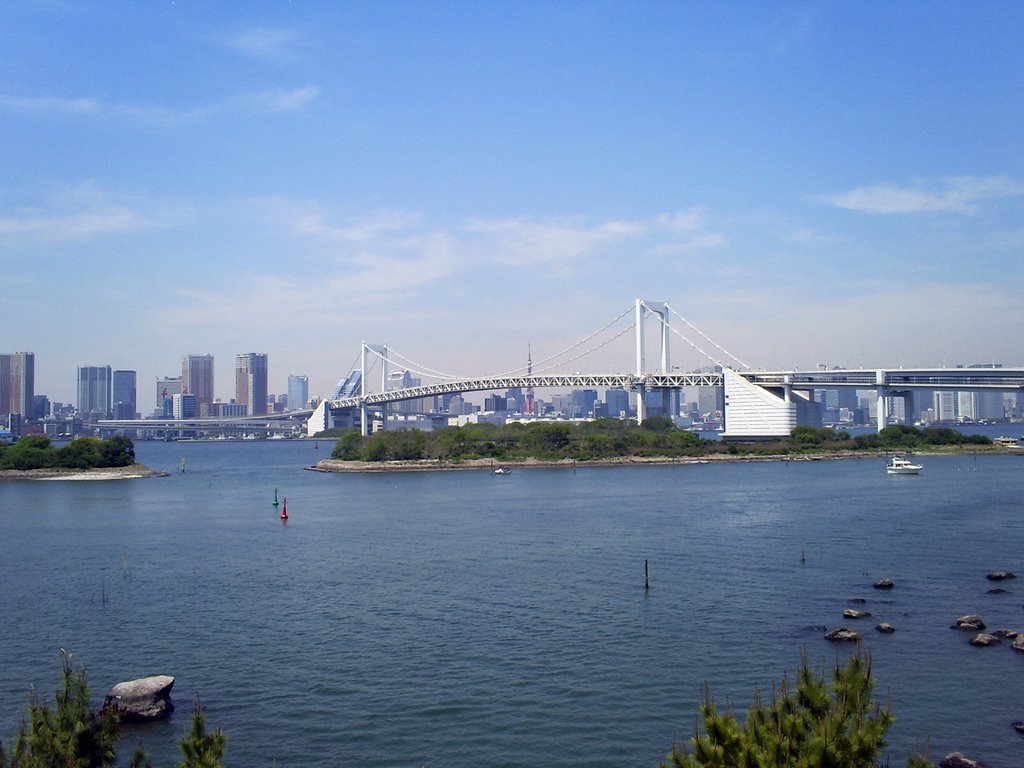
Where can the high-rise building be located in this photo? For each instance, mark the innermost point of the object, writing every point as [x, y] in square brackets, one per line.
[17, 383]
[183, 406]
[197, 379]
[94, 391]
[298, 392]
[125, 394]
[251, 382]
[166, 389]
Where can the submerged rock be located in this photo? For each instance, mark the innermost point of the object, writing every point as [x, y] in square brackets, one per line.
[843, 635]
[1001, 575]
[883, 584]
[855, 613]
[971, 621]
[886, 628]
[147, 698]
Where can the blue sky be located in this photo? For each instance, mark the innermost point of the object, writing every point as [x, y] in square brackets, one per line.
[808, 182]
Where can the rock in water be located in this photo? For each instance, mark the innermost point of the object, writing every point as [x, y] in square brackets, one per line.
[886, 628]
[971, 621]
[147, 698]
[983, 639]
[958, 760]
[883, 584]
[855, 613]
[1001, 575]
[843, 635]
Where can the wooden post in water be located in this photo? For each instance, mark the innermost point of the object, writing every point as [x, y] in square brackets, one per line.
[647, 580]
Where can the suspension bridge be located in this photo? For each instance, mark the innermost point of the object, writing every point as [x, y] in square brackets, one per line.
[758, 404]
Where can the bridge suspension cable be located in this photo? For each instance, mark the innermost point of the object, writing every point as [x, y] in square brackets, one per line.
[605, 343]
[415, 367]
[568, 349]
[703, 336]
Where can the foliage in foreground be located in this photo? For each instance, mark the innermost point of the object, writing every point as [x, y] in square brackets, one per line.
[36, 452]
[835, 725]
[75, 735]
[612, 438]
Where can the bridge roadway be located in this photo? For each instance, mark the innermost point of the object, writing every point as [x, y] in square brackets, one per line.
[901, 379]
[890, 381]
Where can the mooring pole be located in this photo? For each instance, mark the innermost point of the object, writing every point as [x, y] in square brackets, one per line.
[647, 580]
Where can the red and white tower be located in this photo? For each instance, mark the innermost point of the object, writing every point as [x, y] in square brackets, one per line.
[529, 406]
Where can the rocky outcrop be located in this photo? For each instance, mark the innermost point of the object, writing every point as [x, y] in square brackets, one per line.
[971, 622]
[1018, 643]
[855, 613]
[984, 640]
[886, 628]
[883, 584]
[1006, 634]
[843, 635]
[148, 698]
[958, 760]
[1001, 575]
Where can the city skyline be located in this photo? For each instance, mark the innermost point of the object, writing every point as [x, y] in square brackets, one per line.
[807, 183]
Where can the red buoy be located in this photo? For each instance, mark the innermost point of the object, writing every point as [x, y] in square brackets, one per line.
[284, 510]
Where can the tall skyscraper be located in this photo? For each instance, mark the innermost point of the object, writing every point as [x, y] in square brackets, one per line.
[166, 389]
[251, 382]
[125, 405]
[197, 379]
[298, 392]
[94, 391]
[17, 383]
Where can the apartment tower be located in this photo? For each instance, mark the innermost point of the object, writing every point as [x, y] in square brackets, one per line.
[197, 379]
[251, 382]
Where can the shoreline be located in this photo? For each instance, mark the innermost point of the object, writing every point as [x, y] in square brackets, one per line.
[131, 472]
[441, 465]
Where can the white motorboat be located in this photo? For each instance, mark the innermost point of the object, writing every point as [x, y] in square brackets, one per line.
[900, 466]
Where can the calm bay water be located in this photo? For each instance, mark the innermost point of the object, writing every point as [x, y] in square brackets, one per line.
[460, 618]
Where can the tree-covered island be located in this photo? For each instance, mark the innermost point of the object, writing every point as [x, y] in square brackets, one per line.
[611, 440]
[36, 456]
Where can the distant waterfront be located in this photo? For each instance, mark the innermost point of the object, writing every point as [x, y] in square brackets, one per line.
[460, 619]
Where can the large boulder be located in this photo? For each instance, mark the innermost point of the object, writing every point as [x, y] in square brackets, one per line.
[972, 622]
[1018, 642]
[855, 613]
[883, 584]
[148, 698]
[886, 628]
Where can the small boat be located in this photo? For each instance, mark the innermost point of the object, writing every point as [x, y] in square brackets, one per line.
[900, 466]
[1006, 442]
[503, 471]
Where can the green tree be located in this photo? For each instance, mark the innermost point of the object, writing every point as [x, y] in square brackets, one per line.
[835, 725]
[31, 452]
[658, 424]
[200, 749]
[348, 446]
[83, 453]
[118, 451]
[71, 735]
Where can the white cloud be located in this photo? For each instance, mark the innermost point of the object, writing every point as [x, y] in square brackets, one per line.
[961, 194]
[283, 100]
[272, 100]
[86, 212]
[48, 104]
[265, 43]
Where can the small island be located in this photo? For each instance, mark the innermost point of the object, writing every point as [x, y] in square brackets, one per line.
[610, 441]
[87, 458]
